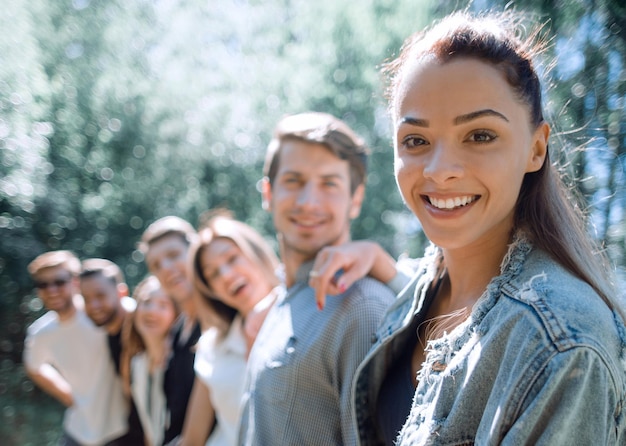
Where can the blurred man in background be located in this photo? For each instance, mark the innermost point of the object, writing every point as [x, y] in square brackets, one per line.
[108, 305]
[165, 244]
[67, 356]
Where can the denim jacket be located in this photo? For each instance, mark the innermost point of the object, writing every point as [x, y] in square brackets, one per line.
[540, 360]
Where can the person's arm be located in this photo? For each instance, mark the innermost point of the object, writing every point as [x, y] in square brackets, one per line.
[336, 268]
[200, 417]
[51, 382]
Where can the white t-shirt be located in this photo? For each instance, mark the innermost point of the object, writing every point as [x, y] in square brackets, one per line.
[78, 350]
[221, 365]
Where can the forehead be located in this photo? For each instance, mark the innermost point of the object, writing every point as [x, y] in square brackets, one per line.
[310, 158]
[456, 87]
[217, 247]
[52, 272]
[166, 244]
[97, 282]
[154, 295]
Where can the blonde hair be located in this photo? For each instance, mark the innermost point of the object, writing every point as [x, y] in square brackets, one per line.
[164, 227]
[52, 259]
[251, 244]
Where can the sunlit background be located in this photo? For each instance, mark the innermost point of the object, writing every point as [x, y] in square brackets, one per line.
[114, 113]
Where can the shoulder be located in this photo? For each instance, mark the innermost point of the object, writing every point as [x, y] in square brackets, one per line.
[366, 298]
[373, 290]
[563, 309]
[208, 342]
[558, 297]
[46, 323]
[362, 306]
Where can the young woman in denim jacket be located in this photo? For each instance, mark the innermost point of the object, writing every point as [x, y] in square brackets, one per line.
[510, 331]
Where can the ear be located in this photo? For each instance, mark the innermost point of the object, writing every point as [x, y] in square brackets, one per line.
[357, 201]
[122, 290]
[266, 193]
[539, 148]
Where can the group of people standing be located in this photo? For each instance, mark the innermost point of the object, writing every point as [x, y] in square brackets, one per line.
[508, 331]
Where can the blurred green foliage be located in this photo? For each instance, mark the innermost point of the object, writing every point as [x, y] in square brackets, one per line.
[115, 113]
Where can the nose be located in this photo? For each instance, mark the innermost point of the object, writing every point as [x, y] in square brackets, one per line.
[148, 308]
[307, 195]
[167, 264]
[224, 272]
[443, 164]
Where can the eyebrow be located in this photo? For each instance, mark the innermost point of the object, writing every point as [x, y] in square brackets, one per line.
[326, 176]
[458, 120]
[479, 114]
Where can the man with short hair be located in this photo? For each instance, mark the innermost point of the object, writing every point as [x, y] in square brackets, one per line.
[108, 305]
[301, 366]
[66, 355]
[165, 244]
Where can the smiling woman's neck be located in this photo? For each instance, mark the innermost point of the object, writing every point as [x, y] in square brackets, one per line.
[158, 351]
[470, 271]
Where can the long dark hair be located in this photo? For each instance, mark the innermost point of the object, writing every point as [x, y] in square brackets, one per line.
[546, 210]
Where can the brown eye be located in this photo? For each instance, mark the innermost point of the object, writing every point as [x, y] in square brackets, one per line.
[482, 136]
[412, 142]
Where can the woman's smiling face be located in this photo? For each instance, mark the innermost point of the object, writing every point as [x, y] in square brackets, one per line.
[155, 314]
[463, 143]
[235, 279]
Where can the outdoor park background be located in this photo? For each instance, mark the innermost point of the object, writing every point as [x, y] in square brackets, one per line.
[114, 113]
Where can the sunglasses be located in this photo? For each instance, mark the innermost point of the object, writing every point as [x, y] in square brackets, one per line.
[56, 282]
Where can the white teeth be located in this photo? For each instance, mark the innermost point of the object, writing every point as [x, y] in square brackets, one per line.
[451, 203]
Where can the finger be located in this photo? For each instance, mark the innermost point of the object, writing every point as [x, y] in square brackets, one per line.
[323, 278]
[328, 280]
[320, 291]
[346, 280]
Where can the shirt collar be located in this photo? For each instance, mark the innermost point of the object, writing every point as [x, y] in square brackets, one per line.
[302, 275]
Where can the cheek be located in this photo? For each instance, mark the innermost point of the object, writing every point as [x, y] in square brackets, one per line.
[279, 198]
[217, 286]
[139, 315]
[406, 176]
[169, 318]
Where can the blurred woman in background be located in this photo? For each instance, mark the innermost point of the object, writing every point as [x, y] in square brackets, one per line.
[234, 270]
[147, 346]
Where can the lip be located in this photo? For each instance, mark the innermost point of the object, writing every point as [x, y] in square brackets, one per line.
[238, 288]
[55, 301]
[97, 316]
[307, 223]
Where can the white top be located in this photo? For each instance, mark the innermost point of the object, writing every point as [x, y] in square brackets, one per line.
[221, 365]
[149, 398]
[78, 350]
